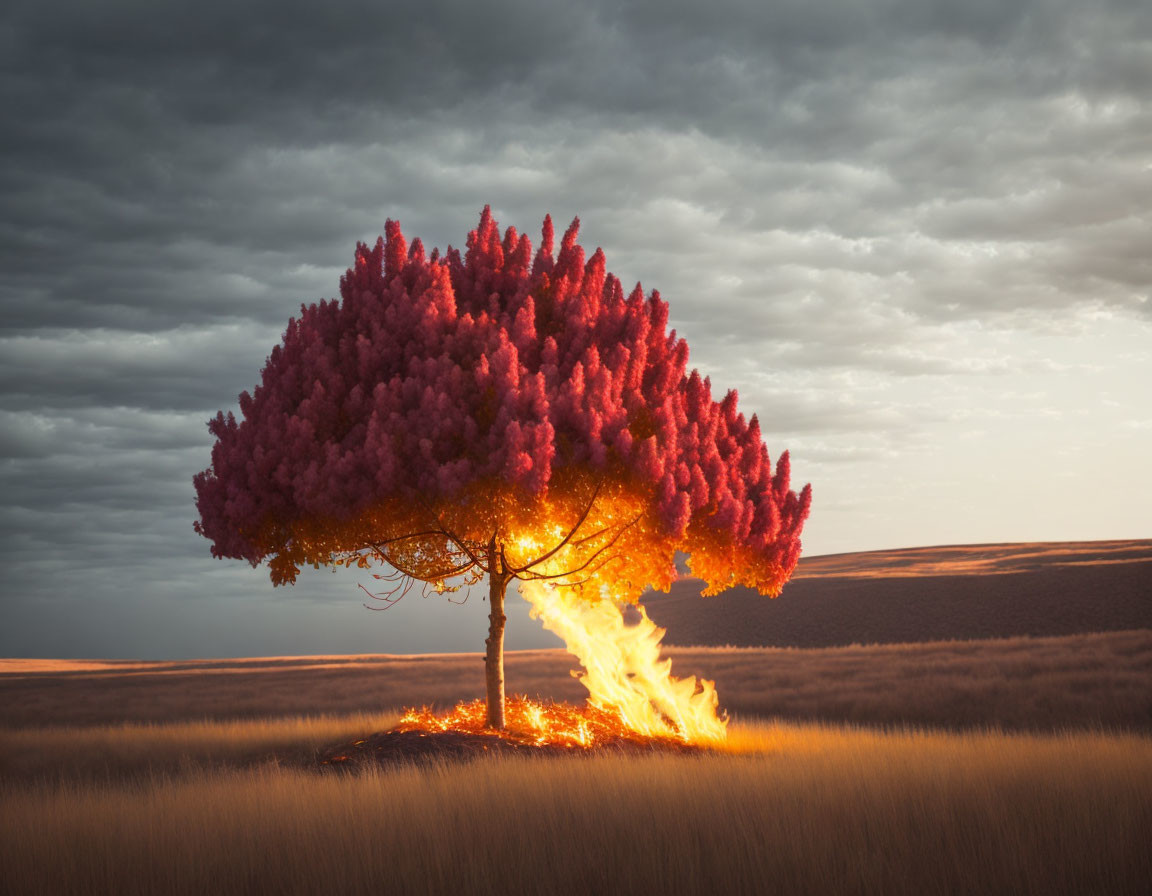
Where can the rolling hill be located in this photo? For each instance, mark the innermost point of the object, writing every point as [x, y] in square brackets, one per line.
[925, 594]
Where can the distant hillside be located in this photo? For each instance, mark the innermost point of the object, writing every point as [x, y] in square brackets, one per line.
[926, 594]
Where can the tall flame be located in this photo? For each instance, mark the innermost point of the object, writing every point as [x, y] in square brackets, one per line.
[623, 669]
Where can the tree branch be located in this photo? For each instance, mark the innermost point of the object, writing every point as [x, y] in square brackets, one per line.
[407, 537]
[433, 576]
[388, 599]
[540, 577]
[534, 576]
[516, 570]
[445, 531]
[467, 594]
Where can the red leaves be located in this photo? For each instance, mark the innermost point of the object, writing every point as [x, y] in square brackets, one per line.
[396, 250]
[432, 374]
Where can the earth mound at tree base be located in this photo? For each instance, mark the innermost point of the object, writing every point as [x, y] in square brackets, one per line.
[533, 728]
[392, 747]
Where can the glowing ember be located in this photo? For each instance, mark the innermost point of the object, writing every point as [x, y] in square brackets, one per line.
[530, 722]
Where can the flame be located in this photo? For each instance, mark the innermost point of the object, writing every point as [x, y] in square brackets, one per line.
[632, 695]
[631, 691]
[530, 722]
[623, 670]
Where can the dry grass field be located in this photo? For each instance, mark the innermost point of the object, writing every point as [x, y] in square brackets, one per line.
[1015, 763]
[191, 778]
[1095, 680]
[786, 809]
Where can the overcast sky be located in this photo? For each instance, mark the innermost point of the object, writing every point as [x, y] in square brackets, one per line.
[914, 235]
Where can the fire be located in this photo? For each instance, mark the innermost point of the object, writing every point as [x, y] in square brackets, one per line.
[530, 722]
[623, 670]
[632, 694]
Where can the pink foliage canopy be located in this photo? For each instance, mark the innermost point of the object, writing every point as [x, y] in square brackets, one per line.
[505, 365]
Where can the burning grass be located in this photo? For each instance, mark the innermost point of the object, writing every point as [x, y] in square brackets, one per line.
[532, 727]
[634, 701]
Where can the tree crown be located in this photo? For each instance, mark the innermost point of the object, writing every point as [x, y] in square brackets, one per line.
[504, 403]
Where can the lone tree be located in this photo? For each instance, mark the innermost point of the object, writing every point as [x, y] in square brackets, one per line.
[501, 414]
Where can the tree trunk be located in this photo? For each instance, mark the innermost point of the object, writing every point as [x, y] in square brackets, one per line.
[494, 657]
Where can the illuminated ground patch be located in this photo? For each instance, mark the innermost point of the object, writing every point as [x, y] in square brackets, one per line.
[532, 728]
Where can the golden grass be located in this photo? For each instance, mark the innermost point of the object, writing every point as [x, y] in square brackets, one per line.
[196, 777]
[1093, 680]
[788, 809]
[137, 751]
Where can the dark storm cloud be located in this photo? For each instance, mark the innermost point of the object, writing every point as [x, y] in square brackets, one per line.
[187, 369]
[827, 194]
[160, 159]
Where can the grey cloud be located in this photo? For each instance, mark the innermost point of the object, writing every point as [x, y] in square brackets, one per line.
[44, 435]
[187, 369]
[136, 481]
[827, 195]
[263, 147]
